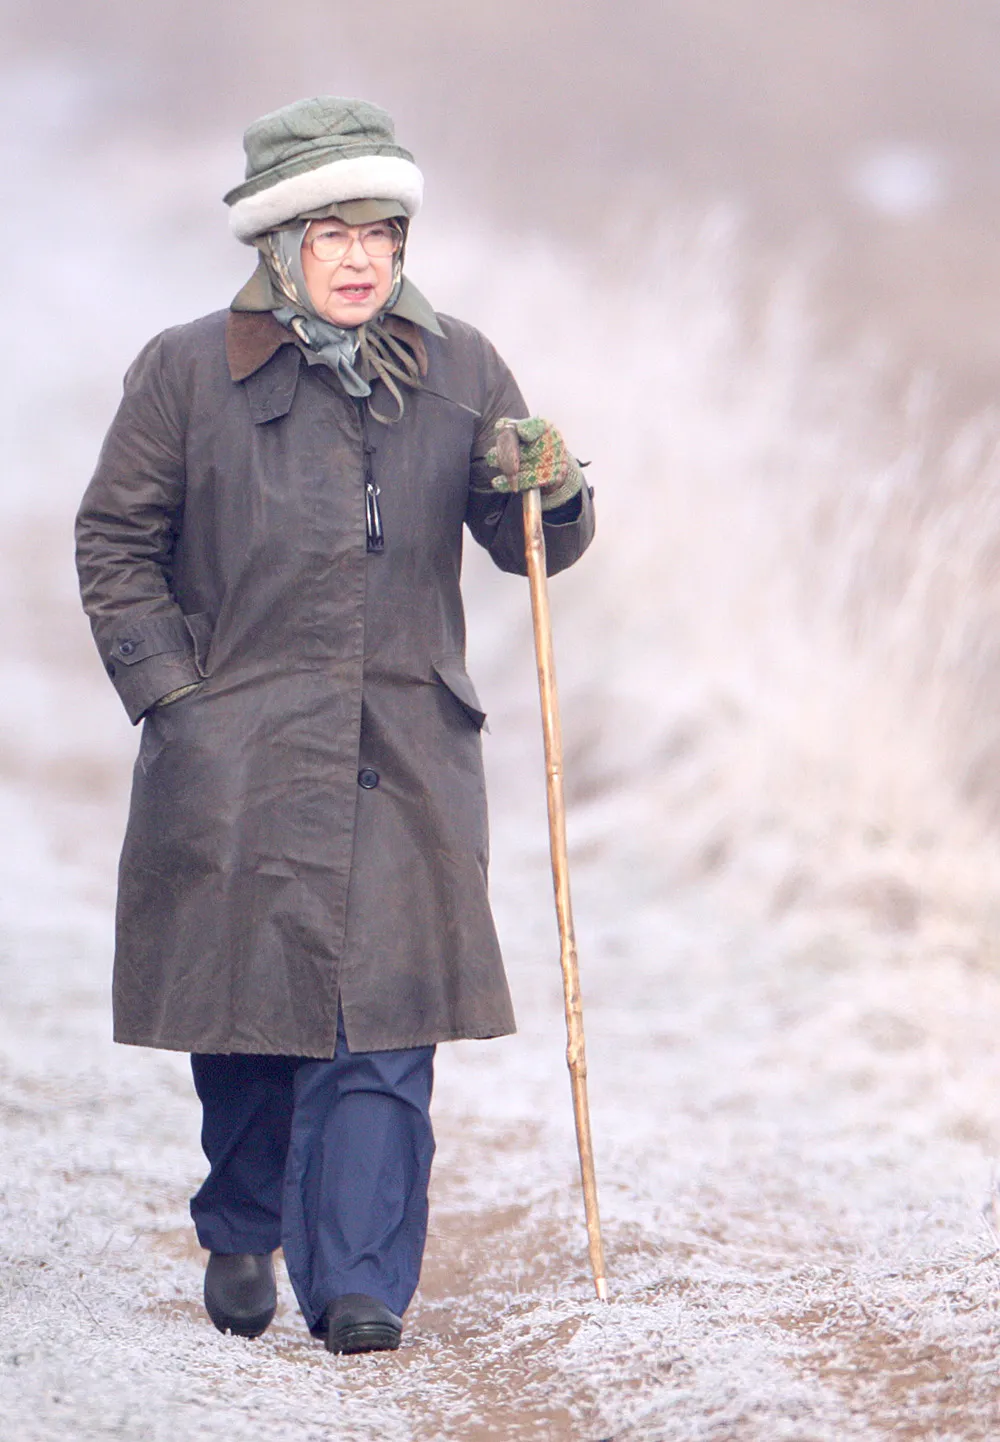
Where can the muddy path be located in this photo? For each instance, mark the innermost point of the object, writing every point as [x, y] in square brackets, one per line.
[791, 1133]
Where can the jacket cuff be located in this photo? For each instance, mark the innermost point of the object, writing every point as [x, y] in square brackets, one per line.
[565, 513]
[148, 657]
[567, 539]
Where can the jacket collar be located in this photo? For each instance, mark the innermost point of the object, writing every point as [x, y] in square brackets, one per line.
[253, 337]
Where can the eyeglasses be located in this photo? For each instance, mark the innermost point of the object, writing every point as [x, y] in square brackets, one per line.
[334, 241]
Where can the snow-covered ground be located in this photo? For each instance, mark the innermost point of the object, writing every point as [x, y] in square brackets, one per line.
[777, 684]
[792, 1137]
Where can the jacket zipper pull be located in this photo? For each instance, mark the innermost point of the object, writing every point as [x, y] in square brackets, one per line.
[374, 534]
[373, 517]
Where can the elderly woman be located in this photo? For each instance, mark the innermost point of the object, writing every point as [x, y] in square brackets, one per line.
[269, 553]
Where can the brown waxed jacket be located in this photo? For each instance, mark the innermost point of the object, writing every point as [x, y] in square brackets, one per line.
[222, 540]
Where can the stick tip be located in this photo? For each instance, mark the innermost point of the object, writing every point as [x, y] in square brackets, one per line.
[602, 1288]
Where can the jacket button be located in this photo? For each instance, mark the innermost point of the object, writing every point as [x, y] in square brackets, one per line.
[111, 669]
[368, 779]
[125, 648]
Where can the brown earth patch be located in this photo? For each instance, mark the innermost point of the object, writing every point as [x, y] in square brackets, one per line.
[481, 1278]
[911, 1389]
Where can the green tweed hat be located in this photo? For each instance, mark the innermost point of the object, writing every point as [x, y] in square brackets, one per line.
[316, 154]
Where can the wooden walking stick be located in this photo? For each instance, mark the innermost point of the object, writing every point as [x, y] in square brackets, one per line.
[508, 452]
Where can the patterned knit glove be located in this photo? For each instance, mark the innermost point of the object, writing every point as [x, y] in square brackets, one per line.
[545, 463]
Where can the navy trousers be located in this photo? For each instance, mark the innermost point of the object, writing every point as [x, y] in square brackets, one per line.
[329, 1160]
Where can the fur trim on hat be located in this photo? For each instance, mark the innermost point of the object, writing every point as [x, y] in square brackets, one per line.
[364, 177]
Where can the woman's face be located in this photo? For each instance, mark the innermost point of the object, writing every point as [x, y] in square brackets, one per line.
[349, 268]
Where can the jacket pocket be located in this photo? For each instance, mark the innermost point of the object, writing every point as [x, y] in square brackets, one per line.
[451, 672]
[200, 628]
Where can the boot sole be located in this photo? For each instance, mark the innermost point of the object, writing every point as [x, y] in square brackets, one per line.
[363, 1337]
[242, 1326]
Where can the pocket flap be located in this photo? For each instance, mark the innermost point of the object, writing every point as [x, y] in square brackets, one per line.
[451, 671]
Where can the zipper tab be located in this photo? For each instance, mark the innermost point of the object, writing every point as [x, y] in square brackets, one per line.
[374, 534]
[373, 517]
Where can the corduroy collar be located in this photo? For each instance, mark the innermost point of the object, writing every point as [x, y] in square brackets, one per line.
[253, 337]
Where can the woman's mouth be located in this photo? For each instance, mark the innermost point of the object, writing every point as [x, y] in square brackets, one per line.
[355, 292]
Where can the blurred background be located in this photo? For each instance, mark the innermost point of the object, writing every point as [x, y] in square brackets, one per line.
[746, 256]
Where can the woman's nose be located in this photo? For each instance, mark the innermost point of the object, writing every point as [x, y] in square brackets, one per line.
[356, 255]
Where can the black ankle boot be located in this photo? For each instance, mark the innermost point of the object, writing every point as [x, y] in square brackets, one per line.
[240, 1292]
[357, 1323]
